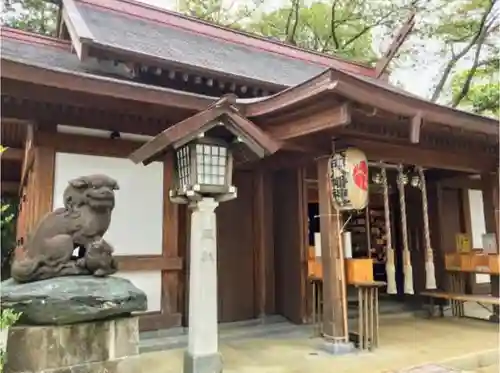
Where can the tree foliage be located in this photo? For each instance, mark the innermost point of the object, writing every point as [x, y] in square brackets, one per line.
[343, 27]
[483, 95]
[468, 33]
[38, 16]
[465, 30]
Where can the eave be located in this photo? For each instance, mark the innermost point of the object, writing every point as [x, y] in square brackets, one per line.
[223, 110]
[99, 85]
[334, 83]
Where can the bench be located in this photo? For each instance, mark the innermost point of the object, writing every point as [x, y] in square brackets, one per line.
[458, 300]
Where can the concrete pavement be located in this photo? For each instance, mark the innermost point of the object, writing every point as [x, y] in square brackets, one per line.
[467, 345]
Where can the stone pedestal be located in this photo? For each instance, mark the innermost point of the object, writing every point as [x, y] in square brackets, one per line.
[102, 346]
[337, 348]
[202, 355]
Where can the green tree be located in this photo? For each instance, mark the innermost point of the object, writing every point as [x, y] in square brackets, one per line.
[481, 94]
[38, 16]
[230, 15]
[343, 27]
[468, 32]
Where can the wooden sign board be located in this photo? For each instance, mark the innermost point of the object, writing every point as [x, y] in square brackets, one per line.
[463, 243]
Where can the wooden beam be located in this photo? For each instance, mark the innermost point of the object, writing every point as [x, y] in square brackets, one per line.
[77, 28]
[148, 263]
[86, 144]
[12, 154]
[326, 119]
[9, 187]
[416, 125]
[429, 158]
[334, 316]
[461, 182]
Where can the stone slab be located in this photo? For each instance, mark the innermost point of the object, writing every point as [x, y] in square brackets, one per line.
[41, 348]
[67, 300]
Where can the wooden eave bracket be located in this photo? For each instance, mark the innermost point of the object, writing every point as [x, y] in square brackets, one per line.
[416, 125]
[335, 117]
[12, 154]
[9, 187]
[220, 113]
[78, 30]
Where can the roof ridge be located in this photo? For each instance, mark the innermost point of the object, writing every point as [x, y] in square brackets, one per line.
[285, 49]
[33, 37]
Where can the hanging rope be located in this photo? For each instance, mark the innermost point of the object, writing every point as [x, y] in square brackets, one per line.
[390, 267]
[430, 276]
[407, 269]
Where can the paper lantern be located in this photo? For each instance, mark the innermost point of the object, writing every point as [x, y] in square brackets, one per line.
[349, 179]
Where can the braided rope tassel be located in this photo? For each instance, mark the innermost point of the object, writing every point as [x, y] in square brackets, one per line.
[390, 267]
[407, 269]
[430, 276]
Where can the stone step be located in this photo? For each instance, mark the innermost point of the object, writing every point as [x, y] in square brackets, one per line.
[226, 333]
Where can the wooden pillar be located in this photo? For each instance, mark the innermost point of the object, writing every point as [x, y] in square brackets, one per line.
[43, 169]
[490, 190]
[334, 313]
[171, 279]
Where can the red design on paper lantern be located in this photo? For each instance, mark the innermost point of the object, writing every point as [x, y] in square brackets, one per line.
[360, 175]
[349, 179]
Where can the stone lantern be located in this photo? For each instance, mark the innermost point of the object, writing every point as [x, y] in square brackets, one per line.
[204, 168]
[203, 145]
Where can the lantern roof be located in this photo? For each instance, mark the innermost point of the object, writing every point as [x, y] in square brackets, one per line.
[224, 115]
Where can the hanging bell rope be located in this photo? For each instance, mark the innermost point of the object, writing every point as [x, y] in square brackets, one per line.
[407, 269]
[390, 267]
[430, 276]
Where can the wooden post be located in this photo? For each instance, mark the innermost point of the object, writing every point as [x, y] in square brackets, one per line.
[491, 215]
[171, 279]
[334, 313]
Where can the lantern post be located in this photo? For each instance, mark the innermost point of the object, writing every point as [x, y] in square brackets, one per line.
[203, 180]
[347, 189]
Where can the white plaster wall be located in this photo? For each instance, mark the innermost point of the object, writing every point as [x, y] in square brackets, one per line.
[478, 225]
[137, 221]
[149, 282]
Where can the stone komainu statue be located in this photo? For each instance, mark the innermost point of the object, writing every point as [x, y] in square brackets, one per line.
[81, 224]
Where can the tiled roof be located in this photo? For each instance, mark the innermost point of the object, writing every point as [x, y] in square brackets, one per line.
[148, 38]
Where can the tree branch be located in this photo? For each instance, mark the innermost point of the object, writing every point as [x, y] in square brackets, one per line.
[289, 21]
[333, 26]
[367, 28]
[296, 22]
[472, 71]
[455, 58]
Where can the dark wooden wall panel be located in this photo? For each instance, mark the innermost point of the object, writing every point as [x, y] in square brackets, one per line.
[435, 224]
[416, 237]
[290, 243]
[235, 254]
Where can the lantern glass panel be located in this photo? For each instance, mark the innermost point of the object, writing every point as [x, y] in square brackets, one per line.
[211, 161]
[184, 166]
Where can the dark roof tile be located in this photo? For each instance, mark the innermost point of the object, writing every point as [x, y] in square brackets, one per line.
[183, 47]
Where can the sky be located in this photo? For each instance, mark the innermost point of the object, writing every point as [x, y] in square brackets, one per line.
[417, 79]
